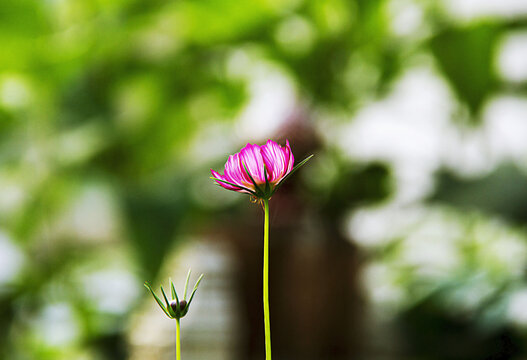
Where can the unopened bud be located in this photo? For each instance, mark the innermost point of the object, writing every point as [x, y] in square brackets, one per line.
[173, 305]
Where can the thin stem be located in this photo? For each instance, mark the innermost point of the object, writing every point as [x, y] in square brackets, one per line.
[267, 322]
[178, 343]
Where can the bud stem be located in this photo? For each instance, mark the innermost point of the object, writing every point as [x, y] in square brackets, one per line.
[267, 322]
[178, 343]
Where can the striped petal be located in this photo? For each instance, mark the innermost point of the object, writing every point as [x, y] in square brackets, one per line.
[278, 160]
[289, 153]
[235, 173]
[217, 175]
[275, 160]
[251, 157]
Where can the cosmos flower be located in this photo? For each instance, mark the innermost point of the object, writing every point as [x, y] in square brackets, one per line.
[258, 170]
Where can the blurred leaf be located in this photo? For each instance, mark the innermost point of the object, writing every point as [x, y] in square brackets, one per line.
[503, 192]
[356, 185]
[198, 21]
[466, 56]
[153, 221]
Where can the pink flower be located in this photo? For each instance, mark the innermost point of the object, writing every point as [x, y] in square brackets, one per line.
[258, 170]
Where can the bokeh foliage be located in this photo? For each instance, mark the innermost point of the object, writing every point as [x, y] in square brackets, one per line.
[111, 113]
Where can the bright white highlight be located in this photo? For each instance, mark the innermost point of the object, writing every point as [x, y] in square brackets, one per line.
[512, 63]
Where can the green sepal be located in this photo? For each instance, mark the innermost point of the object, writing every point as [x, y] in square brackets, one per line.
[267, 184]
[291, 172]
[174, 293]
[169, 308]
[259, 192]
[186, 284]
[193, 292]
[158, 300]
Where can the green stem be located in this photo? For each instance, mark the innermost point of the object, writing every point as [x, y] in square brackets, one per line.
[178, 343]
[267, 322]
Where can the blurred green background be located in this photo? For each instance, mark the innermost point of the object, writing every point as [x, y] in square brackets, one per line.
[403, 238]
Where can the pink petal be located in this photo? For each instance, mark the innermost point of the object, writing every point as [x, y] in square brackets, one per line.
[227, 186]
[217, 175]
[288, 152]
[251, 156]
[275, 160]
[234, 173]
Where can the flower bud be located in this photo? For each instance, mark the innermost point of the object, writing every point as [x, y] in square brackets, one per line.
[179, 308]
[174, 309]
[174, 306]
